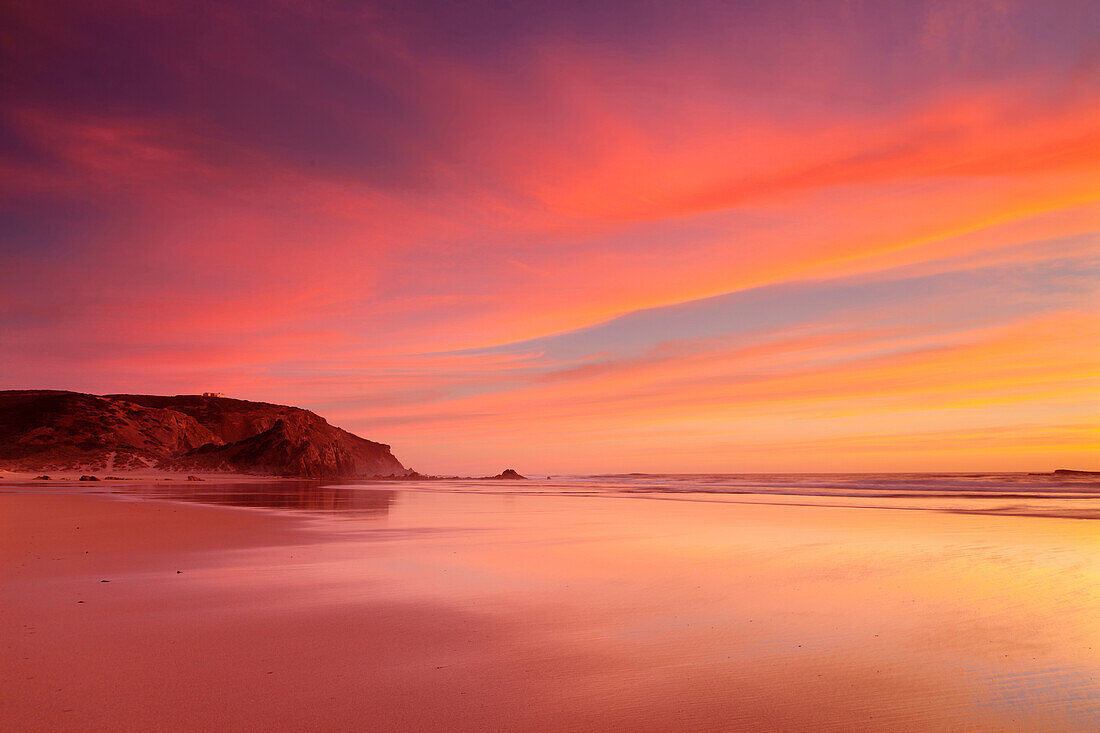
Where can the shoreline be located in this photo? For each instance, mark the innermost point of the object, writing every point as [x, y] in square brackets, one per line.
[71, 476]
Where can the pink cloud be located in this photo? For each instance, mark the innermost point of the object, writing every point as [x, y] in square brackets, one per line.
[318, 221]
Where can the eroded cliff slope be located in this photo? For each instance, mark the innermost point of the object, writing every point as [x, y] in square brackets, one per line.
[48, 430]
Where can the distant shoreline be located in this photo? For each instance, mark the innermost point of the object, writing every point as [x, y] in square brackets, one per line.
[78, 476]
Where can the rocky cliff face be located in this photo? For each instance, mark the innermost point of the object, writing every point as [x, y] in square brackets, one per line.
[41, 431]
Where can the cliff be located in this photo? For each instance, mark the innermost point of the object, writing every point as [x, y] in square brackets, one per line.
[47, 430]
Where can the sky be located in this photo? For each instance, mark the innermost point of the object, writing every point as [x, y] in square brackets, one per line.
[571, 237]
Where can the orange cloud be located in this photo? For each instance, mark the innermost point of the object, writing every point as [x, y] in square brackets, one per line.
[194, 205]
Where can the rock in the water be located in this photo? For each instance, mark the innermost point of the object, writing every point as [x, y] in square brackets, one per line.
[88, 478]
[507, 474]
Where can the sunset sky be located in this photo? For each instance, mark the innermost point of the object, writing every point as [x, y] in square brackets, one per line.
[571, 236]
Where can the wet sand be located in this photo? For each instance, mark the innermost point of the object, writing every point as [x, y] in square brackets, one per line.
[426, 609]
[72, 476]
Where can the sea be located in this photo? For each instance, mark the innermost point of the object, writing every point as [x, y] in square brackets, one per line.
[1065, 495]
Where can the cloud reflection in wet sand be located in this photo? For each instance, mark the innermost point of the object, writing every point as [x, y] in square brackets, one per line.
[472, 606]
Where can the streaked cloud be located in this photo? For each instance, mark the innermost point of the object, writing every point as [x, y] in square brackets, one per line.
[564, 231]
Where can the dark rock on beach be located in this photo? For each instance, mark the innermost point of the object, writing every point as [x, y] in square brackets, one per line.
[506, 474]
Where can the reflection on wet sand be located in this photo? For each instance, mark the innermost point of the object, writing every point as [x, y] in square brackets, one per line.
[471, 609]
[304, 496]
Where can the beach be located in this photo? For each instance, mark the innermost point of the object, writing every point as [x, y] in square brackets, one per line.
[452, 606]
